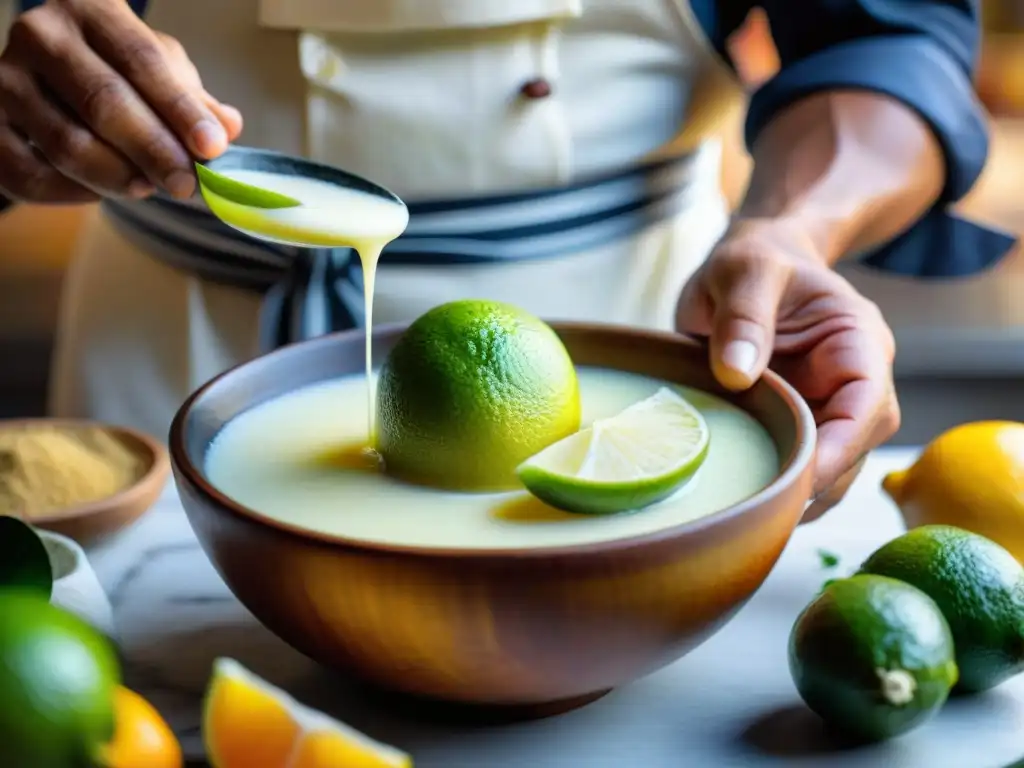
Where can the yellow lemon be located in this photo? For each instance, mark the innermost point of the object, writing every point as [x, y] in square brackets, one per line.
[471, 390]
[971, 477]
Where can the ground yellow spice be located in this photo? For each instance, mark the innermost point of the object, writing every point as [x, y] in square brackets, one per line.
[44, 470]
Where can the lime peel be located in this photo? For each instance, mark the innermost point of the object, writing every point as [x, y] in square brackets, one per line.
[622, 463]
[240, 193]
[898, 686]
[472, 390]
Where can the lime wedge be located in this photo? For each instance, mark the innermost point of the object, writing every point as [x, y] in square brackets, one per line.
[240, 193]
[625, 462]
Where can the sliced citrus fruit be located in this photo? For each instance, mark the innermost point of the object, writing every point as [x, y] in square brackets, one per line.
[239, 192]
[248, 723]
[626, 462]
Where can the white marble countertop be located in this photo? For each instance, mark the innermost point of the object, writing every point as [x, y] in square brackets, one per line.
[729, 703]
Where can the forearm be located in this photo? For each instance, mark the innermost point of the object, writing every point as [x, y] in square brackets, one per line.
[852, 168]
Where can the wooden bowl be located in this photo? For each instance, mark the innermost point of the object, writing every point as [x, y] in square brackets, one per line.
[90, 523]
[534, 630]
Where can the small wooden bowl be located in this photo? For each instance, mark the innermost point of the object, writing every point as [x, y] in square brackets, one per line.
[530, 631]
[90, 523]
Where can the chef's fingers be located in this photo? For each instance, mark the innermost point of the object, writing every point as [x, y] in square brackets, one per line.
[746, 289]
[68, 145]
[862, 415]
[49, 43]
[846, 429]
[884, 425]
[25, 175]
[694, 311]
[159, 71]
[229, 117]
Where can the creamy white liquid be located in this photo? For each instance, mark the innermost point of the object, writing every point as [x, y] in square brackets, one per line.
[296, 459]
[330, 216]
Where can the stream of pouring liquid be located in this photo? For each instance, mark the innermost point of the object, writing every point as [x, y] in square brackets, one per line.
[369, 256]
[330, 217]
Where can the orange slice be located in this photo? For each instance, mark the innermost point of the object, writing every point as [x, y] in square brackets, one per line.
[248, 723]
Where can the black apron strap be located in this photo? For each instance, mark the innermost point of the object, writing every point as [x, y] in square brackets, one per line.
[310, 292]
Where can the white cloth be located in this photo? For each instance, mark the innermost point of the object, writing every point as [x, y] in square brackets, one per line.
[424, 97]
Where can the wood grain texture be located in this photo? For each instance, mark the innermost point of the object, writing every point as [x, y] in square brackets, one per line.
[509, 628]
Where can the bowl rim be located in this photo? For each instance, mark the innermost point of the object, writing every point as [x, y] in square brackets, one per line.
[157, 454]
[802, 457]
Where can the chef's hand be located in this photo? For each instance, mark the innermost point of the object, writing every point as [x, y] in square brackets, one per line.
[766, 298]
[93, 102]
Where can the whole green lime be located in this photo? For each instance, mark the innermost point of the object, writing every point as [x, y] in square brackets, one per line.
[978, 586]
[57, 682]
[872, 656]
[471, 390]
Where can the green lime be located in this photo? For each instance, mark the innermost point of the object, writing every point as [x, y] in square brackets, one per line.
[24, 561]
[625, 462]
[872, 656]
[978, 586]
[57, 682]
[471, 390]
[239, 192]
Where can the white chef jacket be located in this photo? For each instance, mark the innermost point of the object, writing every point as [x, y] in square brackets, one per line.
[427, 98]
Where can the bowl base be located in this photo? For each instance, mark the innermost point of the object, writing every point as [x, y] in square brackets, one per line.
[450, 712]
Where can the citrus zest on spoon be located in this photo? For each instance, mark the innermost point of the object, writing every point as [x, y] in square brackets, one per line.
[240, 193]
[625, 462]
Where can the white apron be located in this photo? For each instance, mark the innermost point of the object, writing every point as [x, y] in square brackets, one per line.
[427, 98]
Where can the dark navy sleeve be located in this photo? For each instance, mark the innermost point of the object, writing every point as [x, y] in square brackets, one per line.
[921, 52]
[139, 6]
